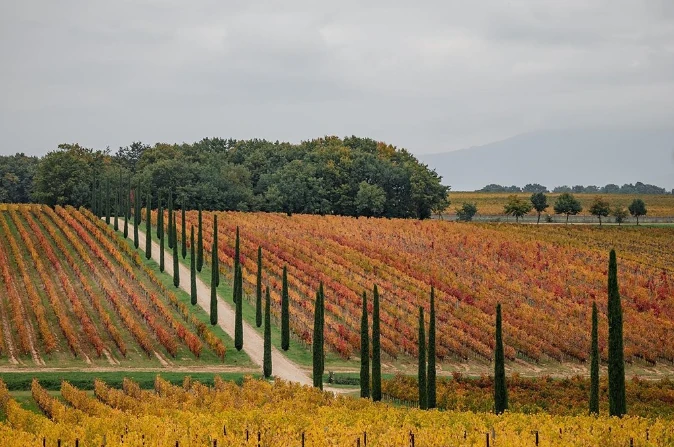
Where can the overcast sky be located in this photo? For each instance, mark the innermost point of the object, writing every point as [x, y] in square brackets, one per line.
[431, 76]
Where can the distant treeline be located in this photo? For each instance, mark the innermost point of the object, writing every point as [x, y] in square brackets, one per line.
[627, 188]
[350, 176]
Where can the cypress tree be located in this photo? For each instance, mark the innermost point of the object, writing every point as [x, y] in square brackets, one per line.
[500, 391]
[236, 263]
[321, 334]
[316, 343]
[184, 233]
[258, 289]
[176, 269]
[421, 376]
[160, 217]
[237, 250]
[216, 260]
[200, 244]
[238, 317]
[148, 228]
[376, 348]
[431, 382]
[160, 222]
[285, 312]
[136, 216]
[193, 270]
[170, 219]
[127, 208]
[235, 289]
[594, 365]
[267, 336]
[214, 288]
[118, 203]
[107, 201]
[364, 352]
[616, 359]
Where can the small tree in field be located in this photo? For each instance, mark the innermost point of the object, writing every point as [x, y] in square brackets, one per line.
[516, 207]
[637, 208]
[540, 203]
[620, 214]
[600, 208]
[466, 212]
[567, 204]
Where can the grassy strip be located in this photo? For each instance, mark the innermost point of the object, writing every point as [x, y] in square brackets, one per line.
[20, 381]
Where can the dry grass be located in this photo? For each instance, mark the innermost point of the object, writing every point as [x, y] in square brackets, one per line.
[492, 203]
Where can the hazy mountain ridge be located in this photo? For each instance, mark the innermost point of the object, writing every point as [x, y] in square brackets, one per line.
[562, 157]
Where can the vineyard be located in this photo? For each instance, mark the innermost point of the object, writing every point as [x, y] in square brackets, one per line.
[72, 292]
[282, 414]
[545, 277]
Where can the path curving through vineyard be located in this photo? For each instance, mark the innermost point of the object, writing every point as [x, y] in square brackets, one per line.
[253, 343]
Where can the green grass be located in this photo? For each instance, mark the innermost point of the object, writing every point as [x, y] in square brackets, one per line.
[18, 381]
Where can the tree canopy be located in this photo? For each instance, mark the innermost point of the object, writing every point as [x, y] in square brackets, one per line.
[600, 208]
[517, 207]
[351, 176]
[567, 204]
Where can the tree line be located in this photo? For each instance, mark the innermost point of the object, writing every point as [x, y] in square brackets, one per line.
[611, 188]
[349, 176]
[565, 204]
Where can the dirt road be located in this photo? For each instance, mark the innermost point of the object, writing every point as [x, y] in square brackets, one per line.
[253, 343]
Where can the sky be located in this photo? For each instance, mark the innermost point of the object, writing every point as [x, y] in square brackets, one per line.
[430, 76]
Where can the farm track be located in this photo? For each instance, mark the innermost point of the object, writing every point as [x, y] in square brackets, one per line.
[253, 342]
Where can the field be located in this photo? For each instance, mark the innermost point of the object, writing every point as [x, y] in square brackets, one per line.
[258, 414]
[492, 203]
[73, 294]
[545, 277]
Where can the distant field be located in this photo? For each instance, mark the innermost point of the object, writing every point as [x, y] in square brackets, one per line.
[492, 203]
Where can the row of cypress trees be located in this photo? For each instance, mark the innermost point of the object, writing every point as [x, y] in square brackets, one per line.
[426, 371]
[374, 390]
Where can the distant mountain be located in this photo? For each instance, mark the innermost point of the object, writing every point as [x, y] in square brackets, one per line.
[562, 157]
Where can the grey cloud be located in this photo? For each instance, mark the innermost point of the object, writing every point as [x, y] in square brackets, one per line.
[429, 75]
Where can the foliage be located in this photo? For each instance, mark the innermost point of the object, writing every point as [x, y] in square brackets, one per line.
[539, 201]
[600, 208]
[267, 366]
[466, 212]
[258, 289]
[421, 361]
[559, 269]
[567, 204]
[364, 351]
[537, 395]
[637, 208]
[517, 207]
[16, 178]
[500, 390]
[200, 415]
[616, 359]
[431, 380]
[376, 346]
[594, 363]
[285, 312]
[620, 214]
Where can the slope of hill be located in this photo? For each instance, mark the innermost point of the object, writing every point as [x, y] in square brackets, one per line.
[72, 294]
[546, 279]
[562, 157]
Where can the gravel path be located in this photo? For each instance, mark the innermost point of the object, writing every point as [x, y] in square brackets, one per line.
[253, 343]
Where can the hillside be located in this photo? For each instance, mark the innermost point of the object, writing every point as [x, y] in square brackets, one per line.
[546, 279]
[76, 295]
[562, 157]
